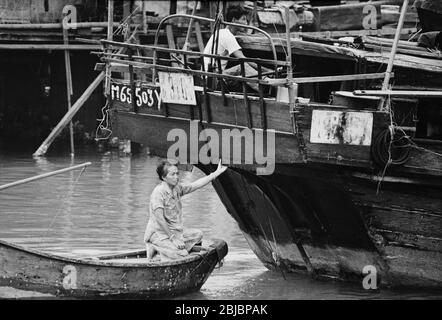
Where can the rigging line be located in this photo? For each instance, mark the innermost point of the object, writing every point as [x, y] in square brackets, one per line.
[105, 127]
[391, 128]
[280, 39]
[123, 24]
[64, 200]
[414, 145]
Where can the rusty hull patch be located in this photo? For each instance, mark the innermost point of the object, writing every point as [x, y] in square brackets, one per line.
[339, 127]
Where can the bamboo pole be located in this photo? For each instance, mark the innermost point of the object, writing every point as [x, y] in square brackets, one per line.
[46, 46]
[44, 175]
[189, 29]
[384, 93]
[69, 115]
[110, 33]
[397, 36]
[46, 26]
[69, 89]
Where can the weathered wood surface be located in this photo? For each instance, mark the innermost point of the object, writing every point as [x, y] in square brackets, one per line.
[233, 115]
[33, 270]
[348, 16]
[384, 31]
[312, 49]
[407, 61]
[401, 258]
[413, 52]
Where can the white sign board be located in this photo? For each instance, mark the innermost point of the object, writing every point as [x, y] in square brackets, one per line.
[177, 88]
[339, 127]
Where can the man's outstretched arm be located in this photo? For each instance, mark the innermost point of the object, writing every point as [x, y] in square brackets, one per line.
[205, 180]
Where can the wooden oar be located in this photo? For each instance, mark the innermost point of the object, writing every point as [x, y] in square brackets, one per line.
[44, 175]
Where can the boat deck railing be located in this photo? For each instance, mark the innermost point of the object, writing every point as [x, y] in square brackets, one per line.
[164, 59]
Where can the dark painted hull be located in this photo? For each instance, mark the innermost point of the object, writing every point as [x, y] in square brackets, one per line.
[340, 222]
[110, 276]
[328, 209]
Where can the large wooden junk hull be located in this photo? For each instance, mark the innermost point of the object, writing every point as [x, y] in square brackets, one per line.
[356, 181]
[331, 206]
[119, 275]
[341, 223]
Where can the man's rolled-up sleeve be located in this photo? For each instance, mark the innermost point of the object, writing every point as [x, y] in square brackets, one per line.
[157, 201]
[230, 43]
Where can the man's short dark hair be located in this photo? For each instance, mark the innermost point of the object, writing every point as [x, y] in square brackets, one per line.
[235, 12]
[162, 168]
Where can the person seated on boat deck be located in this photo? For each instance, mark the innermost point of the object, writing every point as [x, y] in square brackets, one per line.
[164, 233]
[430, 18]
[229, 46]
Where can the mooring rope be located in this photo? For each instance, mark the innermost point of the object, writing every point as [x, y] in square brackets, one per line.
[64, 201]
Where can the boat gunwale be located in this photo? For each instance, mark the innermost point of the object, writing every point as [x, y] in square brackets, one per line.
[91, 262]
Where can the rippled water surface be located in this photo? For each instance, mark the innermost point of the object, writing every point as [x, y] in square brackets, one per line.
[106, 209]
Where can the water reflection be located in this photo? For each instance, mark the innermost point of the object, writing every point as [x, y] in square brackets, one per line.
[106, 209]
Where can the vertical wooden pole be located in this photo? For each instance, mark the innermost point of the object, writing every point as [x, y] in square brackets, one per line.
[246, 98]
[397, 37]
[206, 96]
[69, 89]
[199, 36]
[189, 29]
[221, 82]
[132, 83]
[261, 101]
[110, 32]
[291, 85]
[143, 8]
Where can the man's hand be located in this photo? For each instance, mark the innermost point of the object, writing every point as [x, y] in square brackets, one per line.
[220, 169]
[178, 243]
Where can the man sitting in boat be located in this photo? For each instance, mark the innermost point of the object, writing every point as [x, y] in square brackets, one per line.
[227, 45]
[165, 234]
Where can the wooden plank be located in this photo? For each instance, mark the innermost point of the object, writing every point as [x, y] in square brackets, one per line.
[333, 78]
[346, 16]
[407, 221]
[408, 240]
[24, 46]
[384, 31]
[418, 53]
[397, 93]
[407, 61]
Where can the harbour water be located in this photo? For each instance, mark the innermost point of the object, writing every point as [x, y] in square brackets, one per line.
[105, 209]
